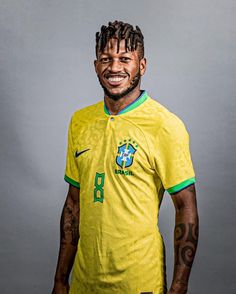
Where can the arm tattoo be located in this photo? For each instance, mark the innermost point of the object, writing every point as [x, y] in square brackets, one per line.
[190, 188]
[70, 225]
[186, 238]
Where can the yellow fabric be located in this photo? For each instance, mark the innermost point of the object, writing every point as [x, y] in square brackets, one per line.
[120, 248]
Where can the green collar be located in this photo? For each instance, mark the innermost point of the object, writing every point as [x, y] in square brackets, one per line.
[143, 97]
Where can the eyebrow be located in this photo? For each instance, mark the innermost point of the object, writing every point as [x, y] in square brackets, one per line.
[123, 52]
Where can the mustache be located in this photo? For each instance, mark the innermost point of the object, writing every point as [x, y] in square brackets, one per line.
[109, 74]
[133, 84]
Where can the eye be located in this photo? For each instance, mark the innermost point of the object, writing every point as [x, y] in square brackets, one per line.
[104, 59]
[125, 59]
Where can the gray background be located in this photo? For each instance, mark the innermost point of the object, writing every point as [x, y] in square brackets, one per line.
[46, 73]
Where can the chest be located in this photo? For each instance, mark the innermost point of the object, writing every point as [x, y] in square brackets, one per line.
[113, 144]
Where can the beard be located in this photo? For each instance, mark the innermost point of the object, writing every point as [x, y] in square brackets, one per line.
[134, 83]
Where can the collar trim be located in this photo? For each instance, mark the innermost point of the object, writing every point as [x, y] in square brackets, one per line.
[143, 97]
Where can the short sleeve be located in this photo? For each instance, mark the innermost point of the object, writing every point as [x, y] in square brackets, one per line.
[172, 157]
[71, 172]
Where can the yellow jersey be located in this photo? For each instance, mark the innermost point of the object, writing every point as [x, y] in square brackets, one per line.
[122, 165]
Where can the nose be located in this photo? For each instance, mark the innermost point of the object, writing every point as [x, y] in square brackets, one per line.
[115, 65]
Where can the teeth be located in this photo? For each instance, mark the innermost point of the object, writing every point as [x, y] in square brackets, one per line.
[115, 79]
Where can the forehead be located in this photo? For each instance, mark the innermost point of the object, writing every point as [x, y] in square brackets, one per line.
[112, 46]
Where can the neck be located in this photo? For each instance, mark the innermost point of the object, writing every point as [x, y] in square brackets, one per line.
[116, 106]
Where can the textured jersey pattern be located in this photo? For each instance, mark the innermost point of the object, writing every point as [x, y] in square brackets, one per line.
[131, 159]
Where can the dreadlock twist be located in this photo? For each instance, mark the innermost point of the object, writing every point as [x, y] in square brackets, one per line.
[121, 31]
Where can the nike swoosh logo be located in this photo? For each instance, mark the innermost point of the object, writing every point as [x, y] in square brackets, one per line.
[77, 154]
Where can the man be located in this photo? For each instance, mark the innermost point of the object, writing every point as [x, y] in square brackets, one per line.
[123, 153]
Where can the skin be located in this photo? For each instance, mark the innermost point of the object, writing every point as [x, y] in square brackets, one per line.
[185, 238]
[69, 237]
[129, 67]
[122, 64]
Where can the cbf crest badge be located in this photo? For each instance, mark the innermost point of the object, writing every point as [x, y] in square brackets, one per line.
[125, 154]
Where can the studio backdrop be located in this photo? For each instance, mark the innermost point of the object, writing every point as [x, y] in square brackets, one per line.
[47, 49]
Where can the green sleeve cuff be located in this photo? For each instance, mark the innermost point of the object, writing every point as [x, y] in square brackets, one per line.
[72, 182]
[181, 186]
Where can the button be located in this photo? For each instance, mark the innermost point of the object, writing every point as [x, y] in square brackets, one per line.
[112, 118]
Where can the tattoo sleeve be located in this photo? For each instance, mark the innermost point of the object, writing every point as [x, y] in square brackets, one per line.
[69, 237]
[185, 238]
[70, 225]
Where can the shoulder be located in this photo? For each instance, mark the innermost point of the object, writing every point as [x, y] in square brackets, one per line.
[83, 117]
[164, 118]
[87, 113]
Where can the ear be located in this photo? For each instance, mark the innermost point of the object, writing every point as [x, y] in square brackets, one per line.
[95, 65]
[142, 65]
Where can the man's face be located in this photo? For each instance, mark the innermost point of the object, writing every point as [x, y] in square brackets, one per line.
[119, 73]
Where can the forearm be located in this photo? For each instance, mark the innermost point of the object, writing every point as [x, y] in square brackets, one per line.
[69, 228]
[185, 246]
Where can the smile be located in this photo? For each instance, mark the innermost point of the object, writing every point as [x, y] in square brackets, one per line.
[115, 80]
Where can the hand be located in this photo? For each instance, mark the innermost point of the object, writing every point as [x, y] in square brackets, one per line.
[60, 288]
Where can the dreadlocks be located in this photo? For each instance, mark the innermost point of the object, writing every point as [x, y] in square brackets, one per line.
[120, 31]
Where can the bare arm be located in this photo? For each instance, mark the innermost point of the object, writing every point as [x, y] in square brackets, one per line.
[69, 228]
[185, 238]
